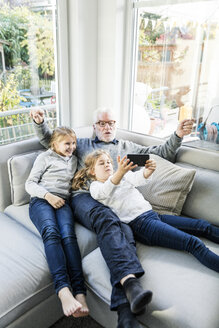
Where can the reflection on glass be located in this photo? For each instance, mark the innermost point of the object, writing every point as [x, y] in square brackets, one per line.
[1, 63]
[28, 32]
[178, 51]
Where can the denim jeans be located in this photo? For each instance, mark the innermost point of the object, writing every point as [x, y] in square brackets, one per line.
[178, 233]
[56, 227]
[114, 239]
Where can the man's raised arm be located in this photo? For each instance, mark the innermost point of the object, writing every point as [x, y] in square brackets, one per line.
[168, 149]
[41, 128]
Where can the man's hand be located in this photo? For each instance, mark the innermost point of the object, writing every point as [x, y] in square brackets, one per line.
[53, 200]
[150, 167]
[37, 115]
[184, 128]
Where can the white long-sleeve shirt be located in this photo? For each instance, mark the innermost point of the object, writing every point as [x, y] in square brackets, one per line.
[124, 199]
[51, 173]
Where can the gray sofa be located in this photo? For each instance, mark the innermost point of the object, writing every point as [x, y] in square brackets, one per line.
[185, 293]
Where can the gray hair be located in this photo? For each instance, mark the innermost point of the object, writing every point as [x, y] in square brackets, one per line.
[101, 110]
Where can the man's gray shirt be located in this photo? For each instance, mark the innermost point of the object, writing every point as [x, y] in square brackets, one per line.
[115, 147]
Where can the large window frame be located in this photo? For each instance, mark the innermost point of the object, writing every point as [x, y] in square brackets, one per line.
[62, 63]
[132, 59]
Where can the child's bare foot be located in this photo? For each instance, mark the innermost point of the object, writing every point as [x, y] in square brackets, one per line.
[84, 311]
[69, 304]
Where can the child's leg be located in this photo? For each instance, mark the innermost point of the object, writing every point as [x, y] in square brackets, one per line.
[65, 222]
[42, 215]
[196, 227]
[70, 305]
[150, 230]
[83, 311]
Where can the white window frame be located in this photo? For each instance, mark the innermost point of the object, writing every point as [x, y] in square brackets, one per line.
[62, 64]
[131, 59]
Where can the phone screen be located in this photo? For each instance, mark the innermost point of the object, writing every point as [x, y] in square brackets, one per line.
[139, 159]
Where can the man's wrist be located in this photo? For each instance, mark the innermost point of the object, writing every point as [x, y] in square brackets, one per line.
[177, 135]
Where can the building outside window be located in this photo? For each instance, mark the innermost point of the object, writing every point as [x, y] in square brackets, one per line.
[27, 65]
[176, 69]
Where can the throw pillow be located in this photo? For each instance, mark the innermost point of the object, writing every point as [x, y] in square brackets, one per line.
[168, 188]
[19, 167]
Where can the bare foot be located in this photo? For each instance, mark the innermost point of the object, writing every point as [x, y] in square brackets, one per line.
[69, 304]
[84, 311]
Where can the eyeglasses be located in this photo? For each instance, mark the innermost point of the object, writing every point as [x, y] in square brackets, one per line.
[102, 124]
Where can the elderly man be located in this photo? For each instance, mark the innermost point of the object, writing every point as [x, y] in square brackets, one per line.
[114, 239]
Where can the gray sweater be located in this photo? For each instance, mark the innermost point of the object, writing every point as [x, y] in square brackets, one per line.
[115, 148]
[51, 173]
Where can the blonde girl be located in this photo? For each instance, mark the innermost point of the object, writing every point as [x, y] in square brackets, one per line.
[49, 186]
[118, 191]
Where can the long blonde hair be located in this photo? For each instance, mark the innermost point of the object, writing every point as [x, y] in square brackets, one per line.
[60, 133]
[83, 175]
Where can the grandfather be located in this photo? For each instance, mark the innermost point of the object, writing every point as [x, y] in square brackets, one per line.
[114, 239]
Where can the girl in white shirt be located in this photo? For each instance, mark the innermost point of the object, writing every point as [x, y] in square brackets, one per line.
[118, 191]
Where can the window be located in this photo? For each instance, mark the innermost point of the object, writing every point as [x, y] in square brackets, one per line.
[28, 43]
[1, 63]
[176, 69]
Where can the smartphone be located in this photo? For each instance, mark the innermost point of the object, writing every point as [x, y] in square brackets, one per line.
[139, 159]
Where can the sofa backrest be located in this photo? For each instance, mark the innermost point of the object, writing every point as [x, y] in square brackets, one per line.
[202, 201]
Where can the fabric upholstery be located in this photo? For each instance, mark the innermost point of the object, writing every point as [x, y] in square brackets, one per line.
[169, 186]
[202, 200]
[21, 215]
[19, 167]
[176, 279]
[25, 280]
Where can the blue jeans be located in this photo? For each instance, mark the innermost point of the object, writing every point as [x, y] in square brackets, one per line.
[56, 227]
[178, 233]
[114, 239]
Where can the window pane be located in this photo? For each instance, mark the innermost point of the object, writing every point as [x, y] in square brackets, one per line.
[177, 68]
[1, 63]
[27, 37]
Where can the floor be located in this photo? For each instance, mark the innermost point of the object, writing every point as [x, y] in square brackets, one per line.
[70, 322]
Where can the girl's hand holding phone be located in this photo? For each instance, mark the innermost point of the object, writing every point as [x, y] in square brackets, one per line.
[150, 167]
[124, 165]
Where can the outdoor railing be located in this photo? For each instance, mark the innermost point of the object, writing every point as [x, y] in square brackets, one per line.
[16, 125]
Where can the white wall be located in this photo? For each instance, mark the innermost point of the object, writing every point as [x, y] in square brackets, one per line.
[96, 41]
[111, 47]
[82, 38]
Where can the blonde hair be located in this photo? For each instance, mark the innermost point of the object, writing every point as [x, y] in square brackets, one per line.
[60, 133]
[84, 174]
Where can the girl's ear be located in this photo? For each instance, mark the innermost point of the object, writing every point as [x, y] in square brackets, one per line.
[91, 172]
[54, 145]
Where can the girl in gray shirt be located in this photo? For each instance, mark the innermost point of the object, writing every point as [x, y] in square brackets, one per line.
[49, 185]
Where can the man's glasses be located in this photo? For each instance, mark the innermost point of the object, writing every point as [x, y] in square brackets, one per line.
[102, 124]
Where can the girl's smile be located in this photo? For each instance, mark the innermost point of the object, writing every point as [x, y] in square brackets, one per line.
[66, 146]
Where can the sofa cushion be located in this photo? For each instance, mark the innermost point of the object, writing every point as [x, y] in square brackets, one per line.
[185, 293]
[87, 239]
[169, 186]
[24, 275]
[202, 201]
[19, 167]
